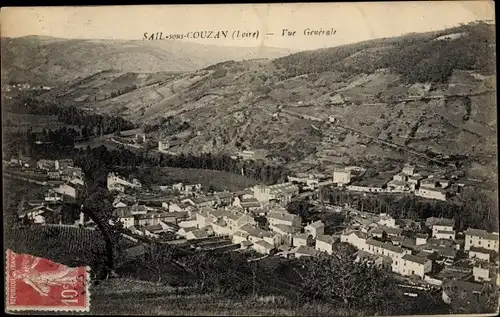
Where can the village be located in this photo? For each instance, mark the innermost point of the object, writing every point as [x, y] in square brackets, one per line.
[424, 255]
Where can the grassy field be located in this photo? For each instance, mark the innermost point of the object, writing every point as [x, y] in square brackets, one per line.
[128, 297]
[219, 180]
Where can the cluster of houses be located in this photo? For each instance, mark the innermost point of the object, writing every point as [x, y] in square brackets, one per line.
[62, 179]
[434, 254]
[406, 181]
[117, 183]
[381, 240]
[256, 218]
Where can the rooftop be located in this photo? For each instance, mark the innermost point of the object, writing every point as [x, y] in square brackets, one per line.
[306, 250]
[422, 235]
[443, 251]
[154, 228]
[282, 216]
[153, 215]
[250, 202]
[388, 230]
[316, 224]
[254, 231]
[325, 238]
[386, 246]
[203, 199]
[285, 228]
[358, 233]
[234, 216]
[304, 236]
[440, 221]
[224, 194]
[413, 258]
[265, 244]
[241, 234]
[482, 233]
[244, 192]
[199, 234]
[441, 242]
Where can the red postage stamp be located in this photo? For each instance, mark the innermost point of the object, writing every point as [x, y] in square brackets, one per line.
[42, 285]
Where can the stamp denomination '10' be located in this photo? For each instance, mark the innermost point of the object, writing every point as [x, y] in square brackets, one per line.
[39, 284]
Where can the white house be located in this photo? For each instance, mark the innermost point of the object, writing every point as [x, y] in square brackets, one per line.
[47, 165]
[285, 231]
[341, 177]
[355, 238]
[282, 193]
[178, 187]
[445, 234]
[388, 221]
[431, 193]
[302, 239]
[33, 213]
[396, 186]
[153, 218]
[283, 218]
[481, 239]
[393, 252]
[64, 163]
[479, 253]
[115, 182]
[400, 177]
[263, 247]
[324, 243]
[414, 265]
[125, 216]
[439, 224]
[421, 238]
[53, 196]
[239, 237]
[249, 204]
[182, 232]
[256, 234]
[237, 220]
[408, 170]
[202, 218]
[304, 251]
[67, 190]
[163, 145]
[196, 234]
[483, 272]
[316, 228]
[392, 232]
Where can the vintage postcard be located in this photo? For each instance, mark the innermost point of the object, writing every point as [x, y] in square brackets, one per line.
[251, 159]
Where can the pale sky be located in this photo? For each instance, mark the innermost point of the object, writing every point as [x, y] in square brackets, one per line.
[352, 22]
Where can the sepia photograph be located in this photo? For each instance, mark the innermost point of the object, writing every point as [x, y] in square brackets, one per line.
[305, 159]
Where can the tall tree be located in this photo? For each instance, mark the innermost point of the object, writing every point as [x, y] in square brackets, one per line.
[340, 278]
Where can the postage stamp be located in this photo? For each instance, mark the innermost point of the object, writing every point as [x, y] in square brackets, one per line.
[38, 284]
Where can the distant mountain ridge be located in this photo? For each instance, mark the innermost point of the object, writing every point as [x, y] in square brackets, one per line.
[47, 60]
[409, 91]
